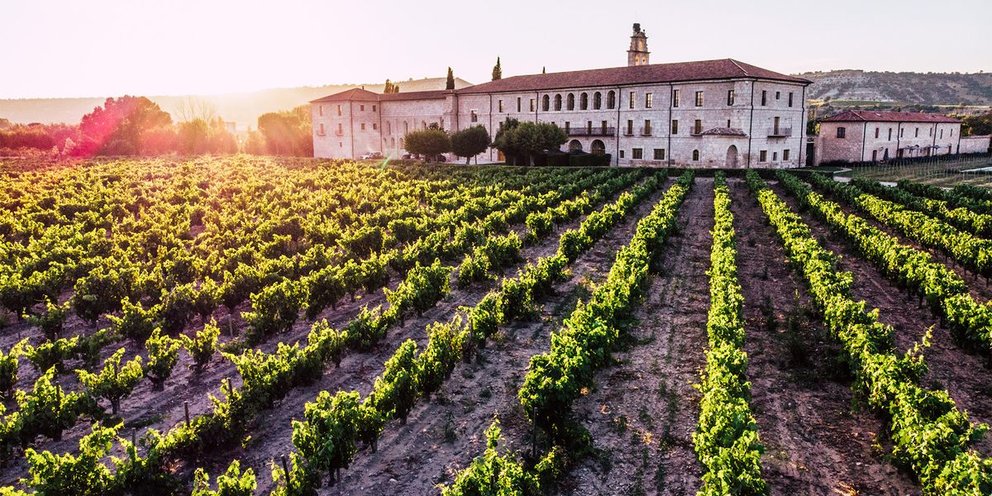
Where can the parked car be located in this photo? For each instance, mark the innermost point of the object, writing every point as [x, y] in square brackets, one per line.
[371, 156]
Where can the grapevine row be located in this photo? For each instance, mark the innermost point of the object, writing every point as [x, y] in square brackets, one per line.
[976, 223]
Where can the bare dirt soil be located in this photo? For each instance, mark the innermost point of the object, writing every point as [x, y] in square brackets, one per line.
[817, 441]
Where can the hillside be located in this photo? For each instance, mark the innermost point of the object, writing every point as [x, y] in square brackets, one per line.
[901, 87]
[241, 108]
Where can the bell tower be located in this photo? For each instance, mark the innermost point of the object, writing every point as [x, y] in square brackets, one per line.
[638, 53]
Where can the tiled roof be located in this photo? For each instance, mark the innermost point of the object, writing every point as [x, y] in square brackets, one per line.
[354, 94]
[614, 76]
[415, 95]
[875, 116]
[723, 131]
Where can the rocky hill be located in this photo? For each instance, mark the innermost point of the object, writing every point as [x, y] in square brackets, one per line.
[901, 87]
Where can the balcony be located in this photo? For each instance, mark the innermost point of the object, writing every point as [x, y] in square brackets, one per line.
[594, 131]
[779, 132]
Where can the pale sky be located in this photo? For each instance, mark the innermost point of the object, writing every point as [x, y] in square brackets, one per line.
[63, 48]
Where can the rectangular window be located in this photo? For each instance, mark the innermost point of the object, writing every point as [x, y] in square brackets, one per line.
[604, 128]
[697, 127]
[876, 133]
[929, 131]
[321, 109]
[518, 103]
[763, 156]
[890, 134]
[952, 132]
[648, 100]
[339, 111]
[774, 156]
[675, 126]
[647, 127]
[902, 132]
[568, 126]
[373, 108]
[630, 127]
[778, 95]
[764, 98]
[321, 133]
[841, 132]
[500, 103]
[633, 96]
[621, 153]
[375, 126]
[785, 154]
[588, 128]
[790, 98]
[730, 98]
[659, 154]
[363, 126]
[874, 155]
[676, 96]
[941, 134]
[361, 108]
[699, 98]
[917, 133]
[532, 104]
[340, 129]
[637, 153]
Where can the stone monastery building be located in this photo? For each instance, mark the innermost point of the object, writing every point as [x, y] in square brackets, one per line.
[713, 113]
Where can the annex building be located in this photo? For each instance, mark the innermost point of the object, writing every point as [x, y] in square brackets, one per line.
[714, 113]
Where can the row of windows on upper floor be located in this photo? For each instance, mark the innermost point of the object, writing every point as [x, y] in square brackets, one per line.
[842, 132]
[548, 102]
[361, 108]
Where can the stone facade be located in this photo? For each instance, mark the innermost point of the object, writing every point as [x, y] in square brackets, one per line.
[975, 144]
[879, 136]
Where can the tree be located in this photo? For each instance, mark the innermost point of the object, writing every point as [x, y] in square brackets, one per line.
[470, 142]
[497, 71]
[427, 142]
[390, 88]
[450, 83]
[528, 139]
[976, 125]
[117, 128]
[287, 132]
[504, 141]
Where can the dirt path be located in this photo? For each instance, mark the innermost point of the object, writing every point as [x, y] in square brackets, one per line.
[444, 435]
[964, 375]
[643, 410]
[815, 443]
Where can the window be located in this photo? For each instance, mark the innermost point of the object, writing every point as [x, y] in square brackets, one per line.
[774, 156]
[659, 154]
[697, 127]
[876, 133]
[637, 153]
[676, 96]
[321, 133]
[728, 123]
[597, 100]
[532, 105]
[340, 144]
[604, 128]
[339, 111]
[373, 108]
[363, 126]
[841, 132]
[406, 127]
[778, 95]
[699, 98]
[630, 127]
[929, 131]
[764, 98]
[568, 127]
[633, 96]
[902, 132]
[874, 155]
[941, 134]
[763, 156]
[695, 155]
[546, 105]
[375, 126]
[730, 99]
[389, 127]
[518, 104]
[320, 109]
[361, 108]
[571, 101]
[647, 127]
[890, 134]
[499, 106]
[790, 98]
[917, 133]
[588, 128]
[785, 154]
[621, 153]
[340, 129]
[952, 132]
[473, 115]
[611, 100]
[648, 100]
[557, 102]
[675, 126]
[583, 101]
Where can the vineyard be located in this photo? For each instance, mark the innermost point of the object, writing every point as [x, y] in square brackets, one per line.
[243, 325]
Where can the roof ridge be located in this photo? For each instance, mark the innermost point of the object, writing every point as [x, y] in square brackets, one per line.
[732, 61]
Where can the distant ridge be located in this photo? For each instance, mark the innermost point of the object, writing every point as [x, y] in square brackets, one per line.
[241, 108]
[936, 89]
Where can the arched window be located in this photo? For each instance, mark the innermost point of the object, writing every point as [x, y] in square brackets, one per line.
[546, 104]
[571, 101]
[597, 101]
[583, 102]
[611, 100]
[695, 155]
[557, 102]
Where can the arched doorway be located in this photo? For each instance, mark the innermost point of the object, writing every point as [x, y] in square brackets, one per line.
[597, 147]
[574, 146]
[732, 157]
